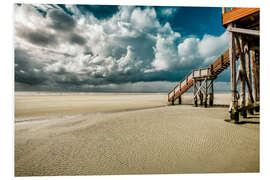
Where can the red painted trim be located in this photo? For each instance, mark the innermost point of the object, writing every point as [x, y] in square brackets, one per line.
[182, 90]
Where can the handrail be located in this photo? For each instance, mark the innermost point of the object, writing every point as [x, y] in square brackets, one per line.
[180, 82]
[220, 63]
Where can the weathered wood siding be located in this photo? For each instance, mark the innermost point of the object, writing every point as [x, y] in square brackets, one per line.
[237, 13]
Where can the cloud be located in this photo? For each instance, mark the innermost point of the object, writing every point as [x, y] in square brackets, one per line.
[167, 12]
[145, 20]
[27, 70]
[77, 39]
[210, 46]
[189, 54]
[203, 51]
[60, 21]
[73, 47]
[166, 55]
[37, 37]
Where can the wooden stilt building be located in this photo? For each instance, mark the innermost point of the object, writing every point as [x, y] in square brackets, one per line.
[243, 25]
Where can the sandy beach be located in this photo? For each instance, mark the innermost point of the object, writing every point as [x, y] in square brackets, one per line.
[112, 133]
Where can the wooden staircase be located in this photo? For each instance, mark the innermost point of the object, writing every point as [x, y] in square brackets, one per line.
[211, 72]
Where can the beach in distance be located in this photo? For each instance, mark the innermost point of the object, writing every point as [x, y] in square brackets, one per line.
[129, 133]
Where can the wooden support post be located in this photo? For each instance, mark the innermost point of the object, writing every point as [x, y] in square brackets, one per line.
[244, 73]
[237, 76]
[211, 93]
[254, 69]
[206, 93]
[212, 69]
[194, 92]
[173, 96]
[234, 104]
[250, 103]
[201, 94]
[257, 60]
[256, 75]
[242, 78]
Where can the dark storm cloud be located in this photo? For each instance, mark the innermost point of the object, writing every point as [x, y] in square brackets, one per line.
[61, 21]
[67, 78]
[77, 39]
[23, 61]
[27, 70]
[136, 76]
[142, 45]
[30, 78]
[37, 37]
[65, 54]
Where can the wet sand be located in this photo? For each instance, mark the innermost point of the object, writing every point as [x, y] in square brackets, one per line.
[89, 134]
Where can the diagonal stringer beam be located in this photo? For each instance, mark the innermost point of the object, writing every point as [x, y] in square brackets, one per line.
[201, 86]
[244, 74]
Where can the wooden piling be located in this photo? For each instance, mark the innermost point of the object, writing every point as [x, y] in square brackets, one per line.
[243, 111]
[234, 104]
[180, 99]
[211, 94]
[255, 74]
[205, 93]
[257, 60]
[201, 94]
[250, 103]
[257, 78]
[254, 69]
[195, 89]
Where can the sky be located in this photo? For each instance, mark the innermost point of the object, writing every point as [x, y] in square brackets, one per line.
[92, 48]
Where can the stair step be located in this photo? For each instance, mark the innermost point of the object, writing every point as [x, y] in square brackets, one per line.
[218, 68]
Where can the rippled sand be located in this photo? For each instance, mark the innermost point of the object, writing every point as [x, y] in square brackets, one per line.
[87, 134]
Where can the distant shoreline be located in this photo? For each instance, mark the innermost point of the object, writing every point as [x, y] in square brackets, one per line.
[111, 92]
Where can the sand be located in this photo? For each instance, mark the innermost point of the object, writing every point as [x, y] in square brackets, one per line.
[90, 134]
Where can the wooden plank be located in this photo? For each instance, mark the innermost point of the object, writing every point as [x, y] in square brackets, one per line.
[244, 31]
[237, 13]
